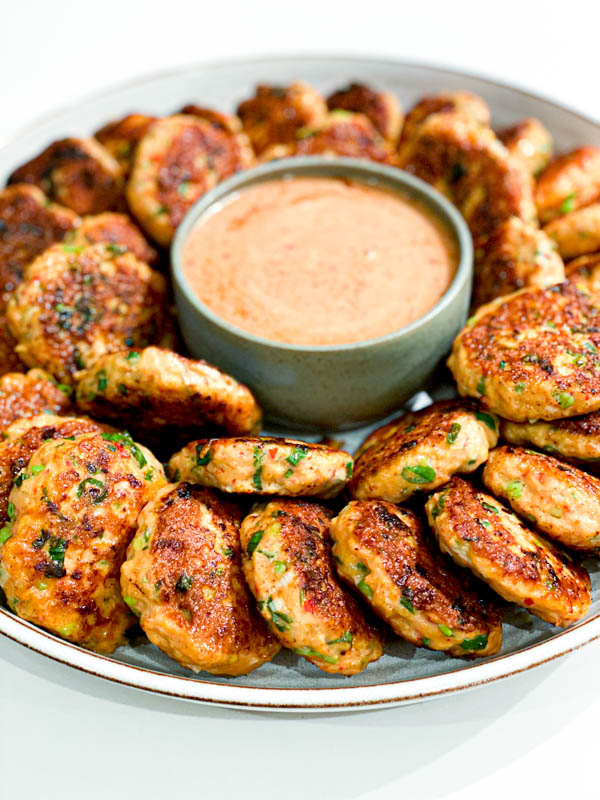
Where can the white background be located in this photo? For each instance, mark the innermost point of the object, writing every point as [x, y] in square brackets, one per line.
[65, 735]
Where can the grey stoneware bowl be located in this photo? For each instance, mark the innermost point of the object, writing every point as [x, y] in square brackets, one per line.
[328, 387]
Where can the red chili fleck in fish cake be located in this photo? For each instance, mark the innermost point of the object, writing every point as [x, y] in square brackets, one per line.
[78, 173]
[156, 388]
[25, 395]
[74, 511]
[465, 103]
[522, 567]
[515, 255]
[121, 136]
[530, 142]
[569, 182]
[77, 304]
[183, 577]
[176, 162]
[117, 230]
[469, 164]
[276, 113]
[382, 108]
[29, 223]
[289, 568]
[532, 355]
[383, 551]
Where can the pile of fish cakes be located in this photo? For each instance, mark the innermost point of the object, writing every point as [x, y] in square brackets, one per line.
[136, 491]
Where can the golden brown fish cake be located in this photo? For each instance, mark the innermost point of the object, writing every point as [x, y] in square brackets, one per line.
[575, 439]
[154, 388]
[382, 550]
[225, 122]
[29, 223]
[74, 510]
[532, 355]
[29, 394]
[9, 360]
[469, 164]
[114, 229]
[577, 233]
[121, 136]
[176, 162]
[522, 567]
[421, 451]
[515, 255]
[381, 108]
[264, 465]
[530, 142]
[276, 113]
[569, 182]
[465, 103]
[183, 578]
[22, 438]
[289, 569]
[561, 501]
[77, 304]
[343, 133]
[78, 173]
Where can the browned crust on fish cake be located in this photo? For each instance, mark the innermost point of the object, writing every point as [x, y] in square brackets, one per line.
[25, 395]
[569, 182]
[470, 105]
[121, 136]
[530, 142]
[381, 108]
[114, 229]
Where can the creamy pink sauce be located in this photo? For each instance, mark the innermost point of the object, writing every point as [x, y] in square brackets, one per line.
[319, 261]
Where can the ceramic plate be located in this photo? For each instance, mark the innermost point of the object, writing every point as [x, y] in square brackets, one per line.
[405, 674]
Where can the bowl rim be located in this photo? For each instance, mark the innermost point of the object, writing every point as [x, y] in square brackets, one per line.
[369, 172]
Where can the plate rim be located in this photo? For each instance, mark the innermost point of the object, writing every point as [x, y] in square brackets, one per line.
[328, 699]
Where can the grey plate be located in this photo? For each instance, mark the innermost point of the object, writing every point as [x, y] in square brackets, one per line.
[405, 674]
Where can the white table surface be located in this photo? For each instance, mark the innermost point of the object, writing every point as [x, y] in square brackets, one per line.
[66, 735]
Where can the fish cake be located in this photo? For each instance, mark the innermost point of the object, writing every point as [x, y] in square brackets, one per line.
[175, 163]
[76, 304]
[289, 568]
[264, 465]
[577, 233]
[532, 355]
[29, 394]
[421, 451]
[29, 223]
[469, 164]
[560, 500]
[515, 255]
[276, 114]
[569, 182]
[225, 122]
[9, 360]
[121, 137]
[465, 103]
[117, 230]
[381, 108]
[576, 438]
[343, 133]
[382, 550]
[522, 567]
[530, 142]
[22, 438]
[78, 173]
[155, 388]
[73, 512]
[183, 578]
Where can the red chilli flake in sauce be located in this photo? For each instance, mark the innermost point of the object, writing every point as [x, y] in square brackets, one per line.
[318, 261]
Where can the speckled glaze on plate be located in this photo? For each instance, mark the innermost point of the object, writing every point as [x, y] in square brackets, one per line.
[404, 674]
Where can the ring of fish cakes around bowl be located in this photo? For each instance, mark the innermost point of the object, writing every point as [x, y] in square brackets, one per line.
[176, 162]
[563, 502]
[382, 551]
[532, 355]
[78, 173]
[20, 440]
[264, 465]
[157, 388]
[74, 509]
[183, 577]
[519, 564]
[575, 439]
[76, 304]
[289, 568]
[381, 108]
[31, 393]
[421, 451]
